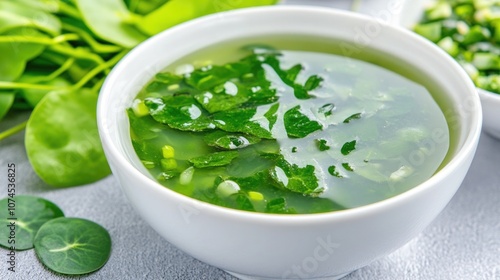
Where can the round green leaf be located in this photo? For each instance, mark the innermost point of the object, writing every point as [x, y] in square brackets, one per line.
[6, 101]
[62, 141]
[72, 245]
[25, 215]
[107, 19]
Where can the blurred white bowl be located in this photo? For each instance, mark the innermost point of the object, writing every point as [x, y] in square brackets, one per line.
[408, 12]
[268, 246]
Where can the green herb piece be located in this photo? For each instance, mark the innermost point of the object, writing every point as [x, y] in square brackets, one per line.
[294, 149]
[180, 112]
[62, 141]
[168, 151]
[296, 179]
[322, 144]
[327, 109]
[214, 159]
[72, 245]
[292, 73]
[216, 102]
[356, 116]
[348, 147]
[244, 120]
[347, 166]
[230, 141]
[279, 206]
[108, 20]
[299, 125]
[313, 82]
[333, 171]
[24, 215]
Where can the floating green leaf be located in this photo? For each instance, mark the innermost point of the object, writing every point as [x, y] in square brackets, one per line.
[296, 179]
[180, 112]
[322, 144]
[244, 120]
[299, 125]
[279, 206]
[62, 141]
[72, 245]
[21, 217]
[214, 159]
[348, 147]
[352, 117]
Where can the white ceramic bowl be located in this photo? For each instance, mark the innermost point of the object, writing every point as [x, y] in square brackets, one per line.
[266, 246]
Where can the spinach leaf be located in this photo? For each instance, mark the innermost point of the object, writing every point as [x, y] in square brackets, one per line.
[296, 179]
[322, 144]
[244, 120]
[298, 125]
[352, 117]
[230, 141]
[214, 159]
[313, 82]
[214, 75]
[221, 101]
[108, 20]
[348, 147]
[62, 141]
[180, 112]
[333, 171]
[279, 206]
[72, 245]
[27, 216]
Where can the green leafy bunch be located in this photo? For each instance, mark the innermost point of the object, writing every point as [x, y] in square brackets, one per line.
[54, 57]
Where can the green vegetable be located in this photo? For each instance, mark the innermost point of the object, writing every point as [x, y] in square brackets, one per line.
[215, 159]
[348, 147]
[62, 142]
[108, 20]
[322, 145]
[26, 214]
[353, 117]
[72, 245]
[70, 46]
[470, 32]
[299, 125]
[296, 179]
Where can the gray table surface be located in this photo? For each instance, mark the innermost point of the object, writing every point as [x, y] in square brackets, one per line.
[462, 243]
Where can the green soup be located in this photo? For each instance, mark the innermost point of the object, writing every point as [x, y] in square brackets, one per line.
[286, 131]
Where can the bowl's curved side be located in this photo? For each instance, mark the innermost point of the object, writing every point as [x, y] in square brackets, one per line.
[491, 112]
[281, 246]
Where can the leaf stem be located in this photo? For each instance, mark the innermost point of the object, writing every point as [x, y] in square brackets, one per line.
[39, 40]
[13, 130]
[11, 85]
[92, 73]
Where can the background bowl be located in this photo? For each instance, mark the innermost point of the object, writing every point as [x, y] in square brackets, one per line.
[408, 12]
[267, 246]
